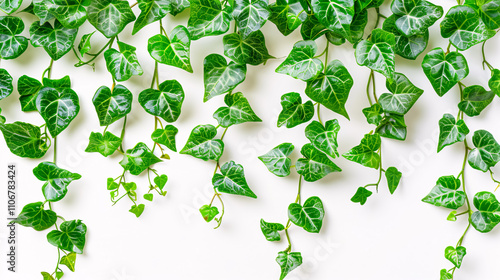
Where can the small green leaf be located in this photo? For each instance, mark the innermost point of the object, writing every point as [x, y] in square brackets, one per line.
[200, 143]
[309, 216]
[6, 86]
[47, 276]
[336, 15]
[112, 106]
[151, 11]
[237, 112]
[56, 41]
[161, 181]
[28, 90]
[271, 230]
[251, 50]
[166, 136]
[288, 261]
[123, 64]
[300, 63]
[69, 261]
[361, 195]
[85, 46]
[70, 13]
[277, 160]
[315, 164]
[444, 275]
[287, 15]
[33, 215]
[294, 112]
[446, 193]
[250, 15]
[70, 236]
[148, 196]
[232, 180]
[404, 95]
[415, 17]
[393, 176]
[393, 127]
[24, 139]
[220, 77]
[452, 217]
[58, 107]
[207, 18]
[450, 131]
[366, 152]
[12, 44]
[174, 51]
[487, 151]
[138, 159]
[378, 56]
[488, 214]
[373, 114]
[209, 212]
[56, 180]
[106, 144]
[165, 102]
[137, 210]
[110, 16]
[324, 138]
[475, 100]
[455, 255]
[111, 184]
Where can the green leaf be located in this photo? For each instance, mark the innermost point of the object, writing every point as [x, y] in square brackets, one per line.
[24, 139]
[487, 151]
[70, 13]
[455, 255]
[393, 176]
[444, 70]
[58, 107]
[271, 230]
[105, 145]
[173, 51]
[70, 236]
[56, 180]
[309, 216]
[12, 45]
[494, 82]
[288, 261]
[165, 102]
[250, 15]
[489, 11]
[47, 276]
[56, 41]
[200, 143]
[312, 29]
[207, 18]
[444, 275]
[2, 118]
[10, 6]
[287, 15]
[237, 112]
[110, 16]
[6, 86]
[336, 15]
[464, 27]
[69, 261]
[277, 161]
[177, 6]
[315, 164]
[446, 193]
[332, 88]
[488, 214]
[112, 106]
[393, 127]
[366, 152]
[138, 159]
[28, 90]
[137, 210]
[300, 63]
[324, 138]
[85, 46]
[373, 114]
[64, 82]
[151, 11]
[166, 136]
[361, 195]
[378, 56]
[475, 100]
[161, 181]
[415, 17]
[209, 212]
[33, 215]
[123, 64]
[148, 196]
[250, 50]
[294, 112]
[406, 47]
[219, 77]
[232, 180]
[404, 95]
[450, 131]
[41, 11]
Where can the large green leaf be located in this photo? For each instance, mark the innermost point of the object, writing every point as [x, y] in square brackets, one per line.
[288, 261]
[444, 70]
[393, 127]
[315, 164]
[56, 180]
[271, 230]
[166, 102]
[58, 107]
[12, 45]
[336, 15]
[490, 13]
[488, 214]
[70, 236]
[487, 151]
[376, 54]
[324, 137]
[24, 139]
[220, 77]
[110, 16]
[277, 160]
[166, 136]
[287, 15]
[123, 64]
[173, 51]
[106, 144]
[251, 50]
[238, 111]
[331, 89]
[250, 15]
[451, 131]
[475, 100]
[6, 86]
[57, 41]
[40, 10]
[415, 16]
[464, 27]
[446, 193]
[154, 10]
[138, 159]
[201, 143]
[308, 216]
[301, 63]
[33, 215]
[70, 13]
[407, 47]
[232, 180]
[294, 112]
[366, 152]
[207, 18]
[10, 6]
[112, 106]
[455, 255]
[402, 97]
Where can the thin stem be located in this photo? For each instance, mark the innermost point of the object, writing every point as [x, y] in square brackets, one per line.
[373, 86]
[219, 220]
[381, 169]
[368, 89]
[223, 134]
[48, 70]
[123, 133]
[94, 56]
[378, 18]
[319, 113]
[494, 180]
[289, 248]
[462, 174]
[297, 200]
[485, 62]
[55, 150]
[58, 261]
[133, 5]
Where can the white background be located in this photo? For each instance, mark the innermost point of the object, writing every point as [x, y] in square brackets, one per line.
[390, 237]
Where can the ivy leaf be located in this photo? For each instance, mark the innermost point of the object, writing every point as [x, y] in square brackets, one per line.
[106, 144]
[112, 106]
[85, 46]
[312, 29]
[407, 47]
[40, 10]
[64, 82]
[488, 214]
[300, 63]
[450, 131]
[219, 77]
[444, 275]
[315, 164]
[166, 102]
[489, 11]
[415, 17]
[324, 138]
[404, 95]
[332, 88]
[70, 236]
[33, 215]
[250, 50]
[287, 15]
[444, 70]
[393, 127]
[455, 255]
[377, 55]
[393, 176]
[232, 180]
[207, 18]
[58, 107]
[494, 82]
[137, 210]
[271, 230]
[138, 159]
[309, 216]
[69, 261]
[464, 27]
[361, 196]
[57, 180]
[24, 139]
[475, 100]
[250, 15]
[237, 112]
[12, 45]
[161, 181]
[200, 143]
[288, 261]
[28, 90]
[446, 193]
[209, 212]
[177, 6]
[6, 86]
[151, 11]
[110, 16]
[336, 15]
[166, 136]
[70, 13]
[56, 41]
[10, 6]
[373, 114]
[277, 160]
[173, 51]
[487, 151]
[123, 64]
[366, 152]
[294, 112]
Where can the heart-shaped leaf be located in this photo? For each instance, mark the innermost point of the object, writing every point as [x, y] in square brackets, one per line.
[70, 13]
[271, 230]
[250, 50]
[209, 212]
[138, 159]
[294, 112]
[250, 15]
[58, 107]
[166, 136]
[123, 64]
[200, 143]
[455, 255]
[232, 180]
[137, 210]
[300, 63]
[377, 55]
[220, 77]
[373, 114]
[488, 214]
[336, 15]
[288, 261]
[315, 164]
[12, 45]
[112, 106]
[277, 160]
[70, 236]
[287, 15]
[324, 138]
[153, 10]
[110, 16]
[487, 151]
[308, 216]
[33, 215]
[446, 193]
[207, 18]
[56, 41]
[237, 112]
[361, 196]
[415, 17]
[404, 95]
[24, 139]
[57, 180]
[393, 176]
[165, 102]
[28, 90]
[444, 70]
[406, 47]
[475, 99]
[69, 261]
[173, 51]
[393, 127]
[106, 144]
[366, 152]
[489, 11]
[451, 131]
